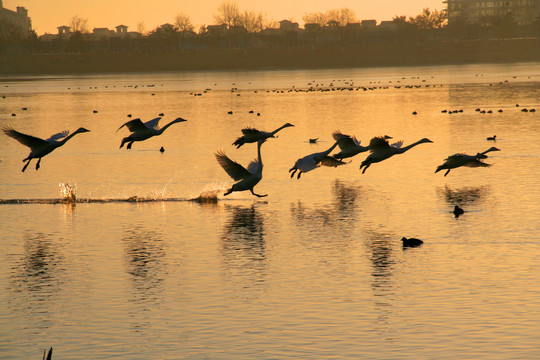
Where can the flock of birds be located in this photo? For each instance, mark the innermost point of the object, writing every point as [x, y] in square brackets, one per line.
[246, 178]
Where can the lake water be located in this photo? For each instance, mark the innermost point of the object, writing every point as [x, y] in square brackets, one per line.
[316, 270]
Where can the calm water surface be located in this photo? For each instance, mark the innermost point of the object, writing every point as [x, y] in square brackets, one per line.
[315, 270]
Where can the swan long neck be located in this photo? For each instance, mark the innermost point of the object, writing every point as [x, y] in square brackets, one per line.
[160, 131]
[405, 148]
[331, 148]
[278, 129]
[64, 140]
[259, 158]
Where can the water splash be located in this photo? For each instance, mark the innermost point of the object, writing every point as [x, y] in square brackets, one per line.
[68, 193]
[211, 193]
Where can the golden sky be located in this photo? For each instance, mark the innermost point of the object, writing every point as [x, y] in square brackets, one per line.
[48, 15]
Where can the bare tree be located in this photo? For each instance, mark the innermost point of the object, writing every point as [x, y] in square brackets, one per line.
[78, 24]
[342, 16]
[251, 23]
[184, 24]
[313, 23]
[228, 14]
[316, 18]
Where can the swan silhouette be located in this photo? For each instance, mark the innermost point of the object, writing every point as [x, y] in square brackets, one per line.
[39, 147]
[141, 131]
[247, 178]
[252, 135]
[349, 146]
[382, 150]
[457, 160]
[313, 161]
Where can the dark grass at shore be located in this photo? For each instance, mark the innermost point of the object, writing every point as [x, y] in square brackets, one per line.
[368, 55]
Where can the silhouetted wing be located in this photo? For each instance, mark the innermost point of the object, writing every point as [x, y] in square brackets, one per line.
[455, 156]
[28, 140]
[153, 124]
[347, 142]
[234, 169]
[59, 136]
[251, 132]
[477, 163]
[378, 143]
[331, 161]
[134, 125]
[397, 144]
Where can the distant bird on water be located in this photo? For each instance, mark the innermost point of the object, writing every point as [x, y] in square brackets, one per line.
[461, 159]
[458, 211]
[141, 131]
[252, 135]
[382, 150]
[247, 178]
[39, 147]
[494, 137]
[411, 242]
[313, 161]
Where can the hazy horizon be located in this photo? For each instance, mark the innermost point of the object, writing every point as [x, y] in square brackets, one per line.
[47, 16]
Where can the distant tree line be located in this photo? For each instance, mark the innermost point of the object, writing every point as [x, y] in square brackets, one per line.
[243, 29]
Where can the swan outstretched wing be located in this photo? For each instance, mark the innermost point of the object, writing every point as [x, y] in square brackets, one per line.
[347, 141]
[234, 169]
[27, 140]
[331, 161]
[153, 124]
[58, 136]
[378, 143]
[251, 132]
[134, 125]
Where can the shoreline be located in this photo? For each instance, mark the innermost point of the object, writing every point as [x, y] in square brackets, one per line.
[367, 55]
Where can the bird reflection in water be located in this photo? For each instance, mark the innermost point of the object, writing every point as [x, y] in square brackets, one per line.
[37, 279]
[243, 246]
[144, 254]
[463, 196]
[337, 216]
[379, 250]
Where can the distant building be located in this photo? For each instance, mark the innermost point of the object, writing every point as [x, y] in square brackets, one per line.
[523, 12]
[287, 26]
[387, 25]
[18, 18]
[369, 24]
[216, 30]
[64, 31]
[102, 33]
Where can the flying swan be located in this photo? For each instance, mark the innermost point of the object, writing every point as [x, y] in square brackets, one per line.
[39, 147]
[141, 131]
[247, 178]
[252, 135]
[382, 150]
[457, 160]
[315, 160]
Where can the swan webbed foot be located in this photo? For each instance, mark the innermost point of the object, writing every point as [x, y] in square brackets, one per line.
[129, 145]
[37, 165]
[258, 195]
